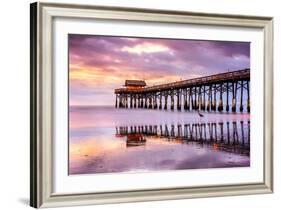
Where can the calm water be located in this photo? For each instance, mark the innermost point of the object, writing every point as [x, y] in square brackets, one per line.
[106, 139]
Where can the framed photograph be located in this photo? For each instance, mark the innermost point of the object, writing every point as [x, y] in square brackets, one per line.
[138, 105]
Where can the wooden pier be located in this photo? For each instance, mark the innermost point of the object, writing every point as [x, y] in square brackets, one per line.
[217, 92]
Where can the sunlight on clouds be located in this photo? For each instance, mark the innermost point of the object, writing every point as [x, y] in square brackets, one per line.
[93, 77]
[83, 74]
[145, 48]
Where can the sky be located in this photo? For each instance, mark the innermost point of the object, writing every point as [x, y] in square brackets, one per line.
[100, 64]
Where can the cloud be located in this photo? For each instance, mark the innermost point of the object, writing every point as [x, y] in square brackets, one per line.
[145, 48]
[105, 62]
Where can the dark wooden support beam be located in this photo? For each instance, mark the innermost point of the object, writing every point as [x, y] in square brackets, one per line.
[179, 131]
[131, 101]
[234, 91]
[221, 132]
[155, 101]
[195, 99]
[120, 101]
[214, 108]
[166, 101]
[248, 96]
[234, 132]
[211, 102]
[135, 101]
[220, 107]
[185, 131]
[185, 99]
[209, 98]
[242, 132]
[227, 97]
[150, 102]
[141, 101]
[166, 132]
[249, 127]
[179, 99]
[160, 100]
[191, 97]
[145, 101]
[126, 101]
[241, 95]
[204, 99]
[199, 99]
[172, 131]
[172, 101]
[228, 133]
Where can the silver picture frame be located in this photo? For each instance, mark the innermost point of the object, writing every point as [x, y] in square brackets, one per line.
[41, 89]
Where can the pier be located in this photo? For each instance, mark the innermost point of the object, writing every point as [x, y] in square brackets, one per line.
[218, 92]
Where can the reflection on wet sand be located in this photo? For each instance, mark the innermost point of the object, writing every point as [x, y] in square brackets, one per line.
[230, 136]
[135, 139]
[109, 140]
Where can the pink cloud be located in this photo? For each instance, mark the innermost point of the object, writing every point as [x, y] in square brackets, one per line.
[102, 63]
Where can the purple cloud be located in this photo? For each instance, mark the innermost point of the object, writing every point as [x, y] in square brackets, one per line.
[125, 57]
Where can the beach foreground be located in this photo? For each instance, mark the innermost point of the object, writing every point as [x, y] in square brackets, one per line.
[106, 140]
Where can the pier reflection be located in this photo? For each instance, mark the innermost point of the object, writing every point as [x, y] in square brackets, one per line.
[232, 136]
